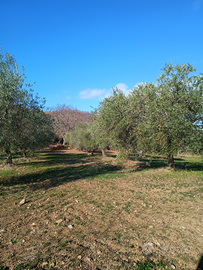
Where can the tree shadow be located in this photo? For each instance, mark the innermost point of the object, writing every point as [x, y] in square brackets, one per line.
[58, 158]
[200, 265]
[153, 163]
[180, 163]
[55, 176]
[190, 166]
[73, 166]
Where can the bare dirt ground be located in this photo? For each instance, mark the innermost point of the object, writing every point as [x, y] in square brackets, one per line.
[83, 212]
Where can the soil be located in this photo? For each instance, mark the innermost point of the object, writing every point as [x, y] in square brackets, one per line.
[114, 219]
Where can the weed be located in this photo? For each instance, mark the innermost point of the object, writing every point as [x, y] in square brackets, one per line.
[14, 241]
[64, 244]
[145, 266]
[127, 206]
[118, 235]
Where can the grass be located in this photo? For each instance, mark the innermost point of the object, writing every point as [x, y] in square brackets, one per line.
[112, 211]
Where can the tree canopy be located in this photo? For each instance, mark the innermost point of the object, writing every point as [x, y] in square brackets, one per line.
[161, 117]
[173, 111]
[23, 124]
[82, 137]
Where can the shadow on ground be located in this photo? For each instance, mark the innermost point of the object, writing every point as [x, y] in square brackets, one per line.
[58, 159]
[200, 265]
[59, 168]
[180, 163]
[81, 167]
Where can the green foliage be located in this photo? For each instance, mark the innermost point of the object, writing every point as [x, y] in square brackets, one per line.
[38, 131]
[158, 118]
[111, 122]
[121, 158]
[173, 111]
[67, 137]
[195, 142]
[23, 123]
[82, 137]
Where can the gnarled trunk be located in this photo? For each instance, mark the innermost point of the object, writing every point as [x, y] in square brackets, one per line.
[24, 154]
[171, 163]
[9, 157]
[103, 153]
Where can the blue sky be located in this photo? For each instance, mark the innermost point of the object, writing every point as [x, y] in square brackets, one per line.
[77, 50]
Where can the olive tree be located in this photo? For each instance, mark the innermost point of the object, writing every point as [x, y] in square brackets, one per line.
[37, 131]
[161, 117]
[113, 123]
[20, 111]
[82, 137]
[172, 111]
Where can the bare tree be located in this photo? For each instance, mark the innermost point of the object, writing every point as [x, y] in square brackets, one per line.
[66, 118]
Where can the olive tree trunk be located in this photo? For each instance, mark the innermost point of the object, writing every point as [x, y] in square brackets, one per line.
[103, 153]
[171, 163]
[64, 140]
[9, 157]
